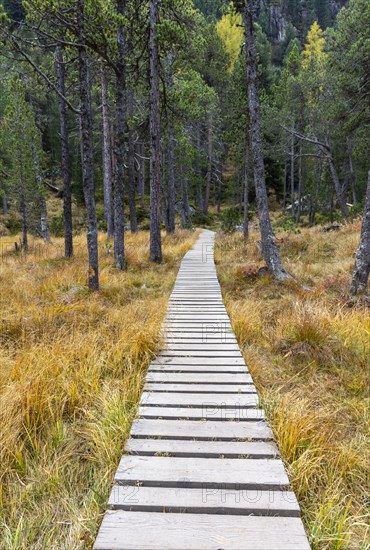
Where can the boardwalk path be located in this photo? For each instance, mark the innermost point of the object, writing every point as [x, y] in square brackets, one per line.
[200, 469]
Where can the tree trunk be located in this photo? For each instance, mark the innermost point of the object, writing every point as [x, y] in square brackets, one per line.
[292, 167]
[44, 219]
[284, 186]
[120, 128]
[299, 206]
[24, 222]
[352, 174]
[199, 169]
[361, 271]
[23, 206]
[44, 229]
[270, 250]
[339, 190]
[219, 187]
[246, 188]
[171, 159]
[185, 210]
[131, 166]
[155, 149]
[66, 160]
[107, 156]
[87, 154]
[209, 164]
[140, 176]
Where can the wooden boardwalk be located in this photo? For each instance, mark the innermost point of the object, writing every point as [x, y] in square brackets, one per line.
[200, 470]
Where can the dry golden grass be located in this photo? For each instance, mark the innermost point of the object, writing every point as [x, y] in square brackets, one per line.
[72, 368]
[309, 354]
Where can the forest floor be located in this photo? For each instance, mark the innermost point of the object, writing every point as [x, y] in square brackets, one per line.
[72, 370]
[307, 347]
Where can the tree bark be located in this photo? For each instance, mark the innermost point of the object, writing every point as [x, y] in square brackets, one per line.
[44, 219]
[87, 153]
[185, 210]
[140, 176]
[107, 155]
[24, 222]
[361, 271]
[44, 229]
[66, 160]
[300, 183]
[120, 129]
[131, 166]
[155, 149]
[209, 164]
[171, 158]
[270, 250]
[352, 174]
[23, 206]
[199, 169]
[246, 187]
[339, 190]
[219, 186]
[285, 186]
[292, 168]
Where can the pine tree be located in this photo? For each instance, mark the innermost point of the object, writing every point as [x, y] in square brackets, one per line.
[20, 141]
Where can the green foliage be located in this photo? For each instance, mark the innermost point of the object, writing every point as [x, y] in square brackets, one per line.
[211, 9]
[230, 219]
[20, 142]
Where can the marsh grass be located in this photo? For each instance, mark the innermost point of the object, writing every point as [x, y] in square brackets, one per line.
[307, 345]
[72, 370]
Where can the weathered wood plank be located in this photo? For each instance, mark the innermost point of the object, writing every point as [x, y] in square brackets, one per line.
[202, 346]
[213, 369]
[201, 413]
[199, 353]
[201, 430]
[161, 471]
[199, 378]
[213, 389]
[202, 449]
[222, 401]
[209, 501]
[123, 530]
[214, 361]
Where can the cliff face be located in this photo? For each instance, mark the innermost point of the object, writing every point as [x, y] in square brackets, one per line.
[281, 19]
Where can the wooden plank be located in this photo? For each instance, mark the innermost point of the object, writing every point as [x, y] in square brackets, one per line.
[197, 336]
[161, 471]
[222, 401]
[216, 361]
[199, 353]
[201, 430]
[216, 369]
[203, 449]
[184, 338]
[202, 346]
[199, 378]
[201, 413]
[213, 389]
[122, 530]
[209, 501]
[198, 317]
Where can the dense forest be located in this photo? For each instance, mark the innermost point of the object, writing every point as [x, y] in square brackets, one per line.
[149, 108]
